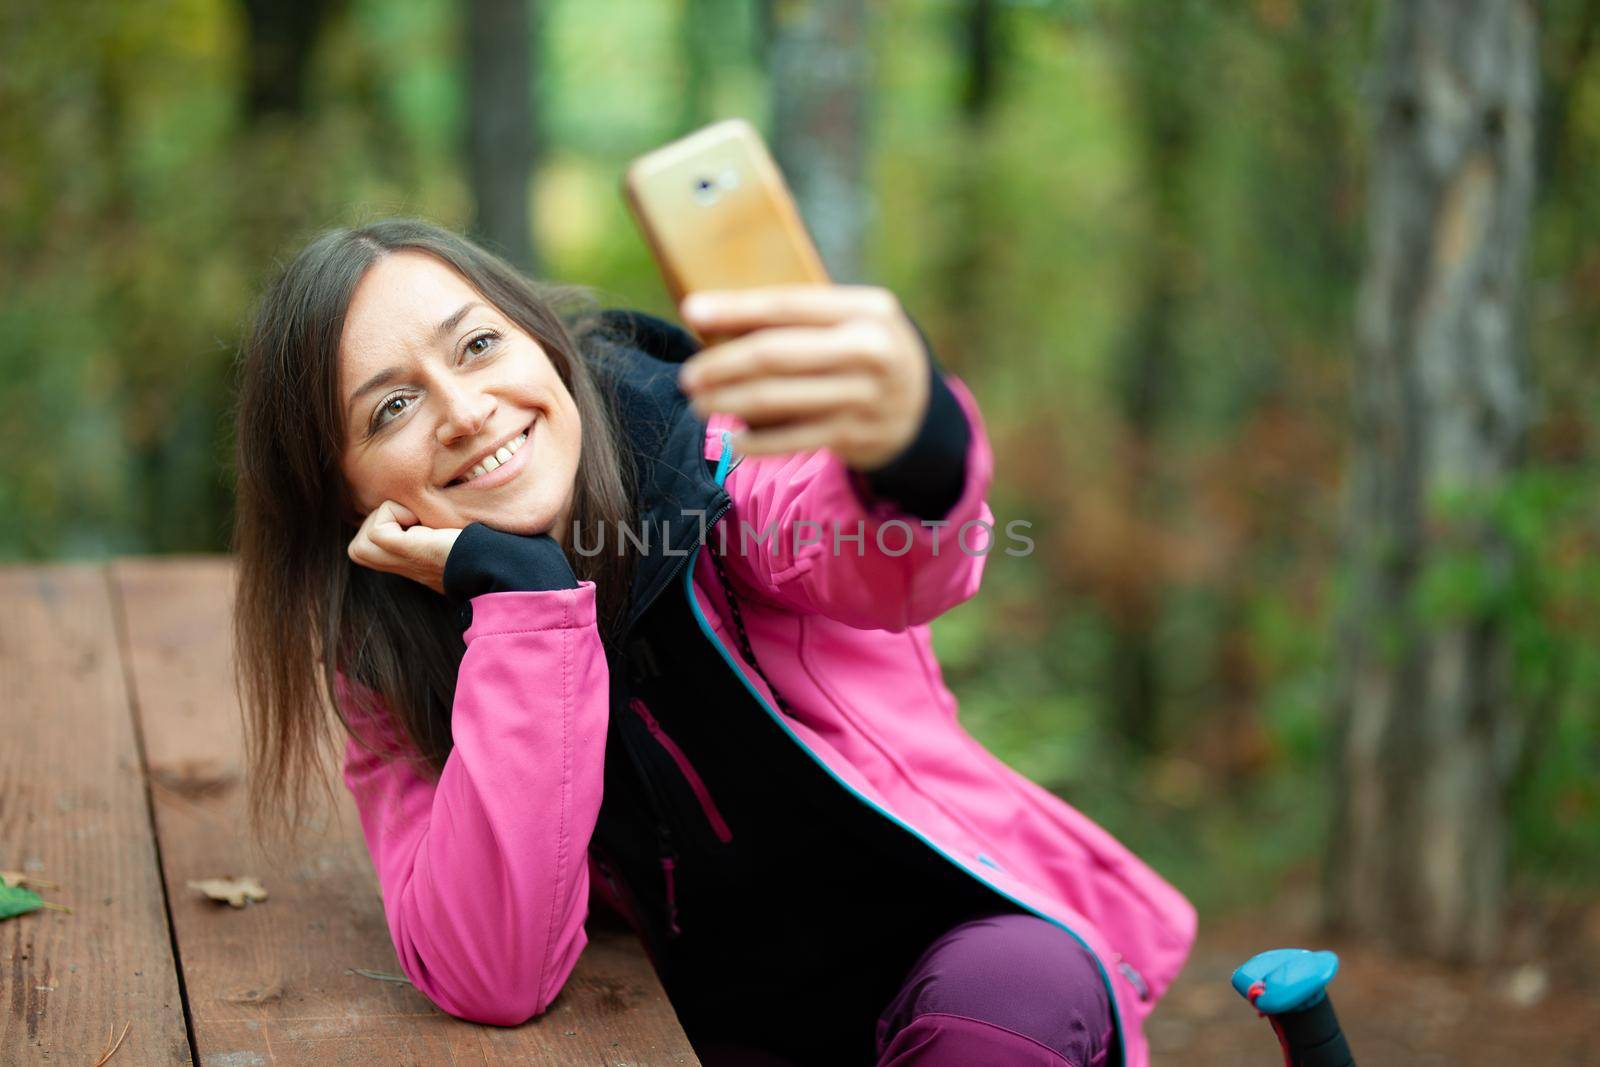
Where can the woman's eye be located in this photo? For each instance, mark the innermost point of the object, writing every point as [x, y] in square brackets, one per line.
[395, 405]
[487, 339]
[388, 408]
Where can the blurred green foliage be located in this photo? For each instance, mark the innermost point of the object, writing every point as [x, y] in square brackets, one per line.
[1166, 198]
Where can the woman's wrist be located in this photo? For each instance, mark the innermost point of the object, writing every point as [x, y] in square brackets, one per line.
[486, 560]
[925, 479]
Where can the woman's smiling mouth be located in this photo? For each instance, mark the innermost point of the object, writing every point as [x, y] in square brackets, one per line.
[499, 466]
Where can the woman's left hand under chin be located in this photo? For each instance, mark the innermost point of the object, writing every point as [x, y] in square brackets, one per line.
[810, 366]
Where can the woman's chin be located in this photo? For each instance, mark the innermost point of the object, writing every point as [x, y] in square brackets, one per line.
[526, 512]
[510, 522]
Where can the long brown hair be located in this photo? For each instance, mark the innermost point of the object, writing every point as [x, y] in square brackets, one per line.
[303, 612]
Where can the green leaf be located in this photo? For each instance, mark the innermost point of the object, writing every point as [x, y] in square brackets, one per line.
[16, 900]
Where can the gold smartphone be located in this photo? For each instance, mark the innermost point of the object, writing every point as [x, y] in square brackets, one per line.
[717, 213]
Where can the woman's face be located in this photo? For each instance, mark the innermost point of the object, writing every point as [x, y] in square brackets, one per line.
[438, 387]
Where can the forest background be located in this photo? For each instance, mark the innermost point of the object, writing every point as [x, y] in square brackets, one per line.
[1162, 242]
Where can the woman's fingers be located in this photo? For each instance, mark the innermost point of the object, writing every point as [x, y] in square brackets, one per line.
[769, 400]
[415, 542]
[384, 515]
[810, 366]
[382, 528]
[382, 537]
[860, 344]
[392, 539]
[389, 537]
[837, 432]
[737, 310]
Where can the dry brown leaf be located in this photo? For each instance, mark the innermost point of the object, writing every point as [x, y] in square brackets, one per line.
[233, 890]
[11, 879]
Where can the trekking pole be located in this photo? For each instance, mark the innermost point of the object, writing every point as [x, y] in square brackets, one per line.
[1289, 986]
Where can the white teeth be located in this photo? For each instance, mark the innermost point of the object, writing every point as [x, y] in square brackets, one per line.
[501, 455]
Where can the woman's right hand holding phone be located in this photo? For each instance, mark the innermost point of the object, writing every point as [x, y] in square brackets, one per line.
[392, 539]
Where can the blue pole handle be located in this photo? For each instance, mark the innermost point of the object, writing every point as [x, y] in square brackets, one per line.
[1290, 987]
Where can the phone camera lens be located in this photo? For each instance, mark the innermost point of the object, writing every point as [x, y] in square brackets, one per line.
[705, 190]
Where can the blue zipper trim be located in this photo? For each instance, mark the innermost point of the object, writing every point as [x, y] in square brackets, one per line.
[705, 627]
[723, 466]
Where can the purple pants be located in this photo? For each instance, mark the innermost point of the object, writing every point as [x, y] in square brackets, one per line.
[1005, 991]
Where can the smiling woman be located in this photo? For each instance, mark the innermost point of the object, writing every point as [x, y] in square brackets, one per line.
[747, 752]
[451, 389]
[388, 371]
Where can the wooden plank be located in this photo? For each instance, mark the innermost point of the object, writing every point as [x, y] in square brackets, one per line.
[274, 981]
[74, 810]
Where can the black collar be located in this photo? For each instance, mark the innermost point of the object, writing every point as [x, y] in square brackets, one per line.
[676, 491]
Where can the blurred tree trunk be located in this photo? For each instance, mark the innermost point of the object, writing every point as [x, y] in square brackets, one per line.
[502, 143]
[272, 188]
[959, 298]
[820, 69]
[1161, 52]
[694, 35]
[281, 39]
[983, 49]
[1428, 734]
[1567, 59]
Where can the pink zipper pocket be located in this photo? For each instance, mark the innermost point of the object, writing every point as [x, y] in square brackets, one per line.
[718, 825]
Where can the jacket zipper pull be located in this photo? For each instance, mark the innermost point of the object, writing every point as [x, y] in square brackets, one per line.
[669, 866]
[1135, 979]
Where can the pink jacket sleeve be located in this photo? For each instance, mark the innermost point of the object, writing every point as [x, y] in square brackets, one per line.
[903, 571]
[484, 875]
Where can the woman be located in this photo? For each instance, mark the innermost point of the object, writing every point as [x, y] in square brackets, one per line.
[579, 646]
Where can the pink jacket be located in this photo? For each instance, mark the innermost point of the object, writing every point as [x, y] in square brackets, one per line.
[485, 877]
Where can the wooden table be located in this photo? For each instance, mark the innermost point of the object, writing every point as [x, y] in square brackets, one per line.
[120, 779]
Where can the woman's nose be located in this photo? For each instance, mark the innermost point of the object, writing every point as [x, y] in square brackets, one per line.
[466, 412]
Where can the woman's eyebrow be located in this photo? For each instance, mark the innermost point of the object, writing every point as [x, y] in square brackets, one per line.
[387, 374]
[453, 321]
